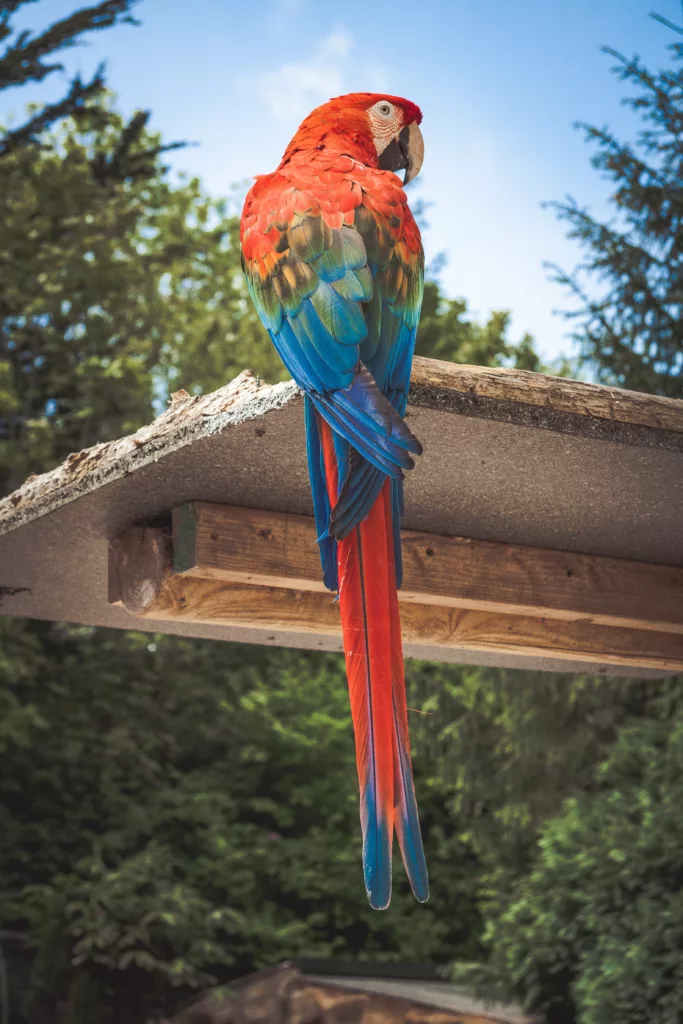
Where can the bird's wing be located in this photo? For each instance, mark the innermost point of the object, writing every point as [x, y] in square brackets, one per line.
[334, 265]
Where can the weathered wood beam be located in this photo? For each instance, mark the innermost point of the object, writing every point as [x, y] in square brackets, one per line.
[432, 382]
[142, 578]
[275, 549]
[509, 395]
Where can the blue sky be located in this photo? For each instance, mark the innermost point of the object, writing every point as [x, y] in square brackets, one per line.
[500, 84]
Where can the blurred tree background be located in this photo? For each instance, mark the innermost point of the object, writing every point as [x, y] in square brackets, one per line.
[174, 813]
[628, 290]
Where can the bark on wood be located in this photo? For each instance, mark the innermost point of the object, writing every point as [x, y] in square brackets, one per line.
[539, 389]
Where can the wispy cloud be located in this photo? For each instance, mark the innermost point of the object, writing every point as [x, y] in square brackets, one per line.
[288, 8]
[295, 88]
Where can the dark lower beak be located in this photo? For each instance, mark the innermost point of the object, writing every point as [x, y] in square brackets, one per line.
[404, 153]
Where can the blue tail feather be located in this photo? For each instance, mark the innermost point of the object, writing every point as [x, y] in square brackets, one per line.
[321, 505]
[406, 817]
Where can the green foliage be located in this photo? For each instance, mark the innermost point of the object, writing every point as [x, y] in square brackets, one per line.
[513, 745]
[630, 286]
[596, 928]
[446, 332]
[117, 286]
[191, 814]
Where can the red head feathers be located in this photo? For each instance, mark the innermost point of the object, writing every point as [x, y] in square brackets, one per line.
[366, 126]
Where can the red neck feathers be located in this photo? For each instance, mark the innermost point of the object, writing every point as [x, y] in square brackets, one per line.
[342, 126]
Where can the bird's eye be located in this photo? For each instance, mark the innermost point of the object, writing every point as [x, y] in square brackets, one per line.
[384, 109]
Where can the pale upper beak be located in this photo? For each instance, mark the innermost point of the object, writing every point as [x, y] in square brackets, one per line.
[405, 152]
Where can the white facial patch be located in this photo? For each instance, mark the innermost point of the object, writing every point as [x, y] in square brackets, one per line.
[386, 121]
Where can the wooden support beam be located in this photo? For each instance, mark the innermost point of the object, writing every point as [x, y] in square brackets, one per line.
[274, 549]
[144, 579]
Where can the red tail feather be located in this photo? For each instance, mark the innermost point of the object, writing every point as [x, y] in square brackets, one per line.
[374, 666]
[405, 817]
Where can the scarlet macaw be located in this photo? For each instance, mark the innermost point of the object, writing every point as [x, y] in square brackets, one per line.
[335, 267]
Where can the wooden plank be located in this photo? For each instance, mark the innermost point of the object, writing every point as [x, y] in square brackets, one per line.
[170, 597]
[275, 549]
[244, 545]
[433, 384]
[542, 391]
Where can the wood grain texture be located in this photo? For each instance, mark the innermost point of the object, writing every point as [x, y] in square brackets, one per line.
[275, 549]
[557, 393]
[169, 596]
[244, 545]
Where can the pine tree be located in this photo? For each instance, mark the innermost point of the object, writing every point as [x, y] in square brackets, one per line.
[630, 327]
[30, 58]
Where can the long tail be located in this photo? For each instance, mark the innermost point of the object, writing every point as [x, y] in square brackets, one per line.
[374, 664]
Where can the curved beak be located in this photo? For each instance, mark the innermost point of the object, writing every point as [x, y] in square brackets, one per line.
[405, 152]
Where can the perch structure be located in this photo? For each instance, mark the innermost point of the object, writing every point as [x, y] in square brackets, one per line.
[543, 525]
[288, 995]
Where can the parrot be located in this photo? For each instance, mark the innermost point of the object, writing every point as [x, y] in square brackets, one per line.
[334, 266]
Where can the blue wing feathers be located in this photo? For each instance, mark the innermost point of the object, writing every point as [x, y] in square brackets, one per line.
[344, 319]
[296, 360]
[369, 407]
[340, 359]
[331, 263]
[349, 345]
[369, 422]
[321, 504]
[356, 286]
[383, 457]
